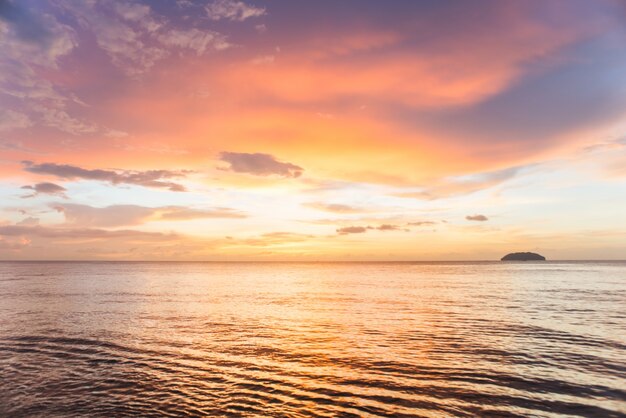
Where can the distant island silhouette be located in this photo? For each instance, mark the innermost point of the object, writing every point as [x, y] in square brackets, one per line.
[523, 257]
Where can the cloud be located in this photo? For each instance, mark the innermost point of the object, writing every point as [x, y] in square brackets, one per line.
[124, 44]
[362, 229]
[197, 40]
[334, 207]
[115, 133]
[603, 146]
[17, 146]
[30, 40]
[124, 215]
[389, 227]
[70, 243]
[177, 213]
[422, 223]
[232, 10]
[80, 233]
[271, 239]
[260, 164]
[479, 218]
[29, 221]
[136, 38]
[10, 119]
[61, 120]
[139, 13]
[369, 60]
[45, 188]
[149, 178]
[13, 245]
[615, 167]
[351, 230]
[33, 36]
[609, 156]
[463, 185]
[77, 215]
[263, 60]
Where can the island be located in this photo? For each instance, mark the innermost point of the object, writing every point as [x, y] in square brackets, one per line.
[523, 257]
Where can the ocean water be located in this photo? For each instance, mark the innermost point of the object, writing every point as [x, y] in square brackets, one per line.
[288, 339]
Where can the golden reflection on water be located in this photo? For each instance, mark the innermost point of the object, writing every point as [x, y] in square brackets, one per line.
[312, 339]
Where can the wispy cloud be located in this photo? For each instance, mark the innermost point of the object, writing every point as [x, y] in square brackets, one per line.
[60, 119]
[31, 39]
[28, 221]
[334, 208]
[13, 245]
[125, 215]
[199, 41]
[270, 239]
[390, 227]
[139, 13]
[362, 229]
[17, 146]
[10, 119]
[232, 10]
[463, 185]
[81, 233]
[136, 38]
[177, 213]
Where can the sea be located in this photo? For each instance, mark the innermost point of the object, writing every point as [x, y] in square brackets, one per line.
[424, 339]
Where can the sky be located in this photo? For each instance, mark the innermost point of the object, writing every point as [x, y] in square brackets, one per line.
[326, 130]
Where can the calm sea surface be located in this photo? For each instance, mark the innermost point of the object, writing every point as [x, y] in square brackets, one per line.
[404, 339]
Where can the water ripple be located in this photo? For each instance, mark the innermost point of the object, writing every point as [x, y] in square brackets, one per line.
[213, 345]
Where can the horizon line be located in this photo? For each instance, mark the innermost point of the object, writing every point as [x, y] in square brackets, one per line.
[311, 261]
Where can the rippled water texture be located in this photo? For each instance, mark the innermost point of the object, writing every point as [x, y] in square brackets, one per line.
[438, 339]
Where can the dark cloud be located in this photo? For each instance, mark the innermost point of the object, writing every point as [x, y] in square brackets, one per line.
[45, 188]
[260, 164]
[149, 178]
[479, 218]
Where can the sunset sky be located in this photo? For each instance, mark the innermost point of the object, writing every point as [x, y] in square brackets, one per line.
[312, 130]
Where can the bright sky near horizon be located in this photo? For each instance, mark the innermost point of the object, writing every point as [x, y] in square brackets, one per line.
[312, 130]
